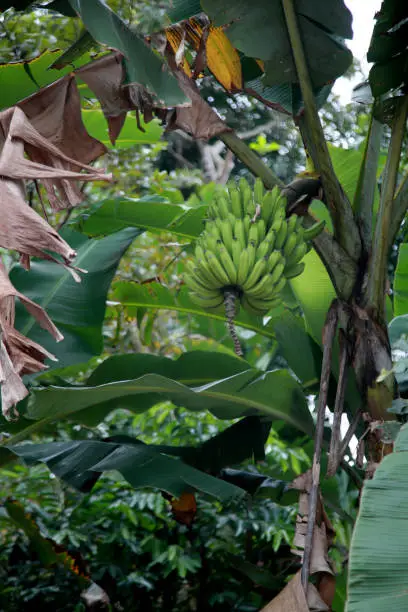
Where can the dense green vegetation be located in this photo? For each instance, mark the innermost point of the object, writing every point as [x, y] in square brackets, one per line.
[150, 468]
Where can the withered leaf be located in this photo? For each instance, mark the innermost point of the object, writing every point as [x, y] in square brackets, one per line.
[47, 163]
[12, 387]
[18, 354]
[105, 77]
[8, 293]
[55, 112]
[199, 120]
[24, 231]
[292, 599]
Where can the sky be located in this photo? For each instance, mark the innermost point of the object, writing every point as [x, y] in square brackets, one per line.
[363, 22]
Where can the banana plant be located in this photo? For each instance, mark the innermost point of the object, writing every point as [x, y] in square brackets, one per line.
[287, 55]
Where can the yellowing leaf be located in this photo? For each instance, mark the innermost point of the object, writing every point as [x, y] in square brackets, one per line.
[174, 38]
[223, 60]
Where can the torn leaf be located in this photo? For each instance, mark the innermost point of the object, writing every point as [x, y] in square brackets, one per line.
[199, 120]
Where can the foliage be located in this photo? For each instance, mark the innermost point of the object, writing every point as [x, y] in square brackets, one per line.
[147, 385]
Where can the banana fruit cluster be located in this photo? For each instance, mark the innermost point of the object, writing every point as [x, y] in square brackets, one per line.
[248, 248]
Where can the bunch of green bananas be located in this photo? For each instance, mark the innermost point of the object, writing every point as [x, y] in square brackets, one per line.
[248, 248]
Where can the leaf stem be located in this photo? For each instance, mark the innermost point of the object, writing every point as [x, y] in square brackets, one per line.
[399, 208]
[345, 227]
[367, 182]
[251, 160]
[377, 270]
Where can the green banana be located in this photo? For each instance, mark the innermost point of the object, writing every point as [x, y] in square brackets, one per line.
[210, 303]
[251, 248]
[292, 221]
[247, 243]
[207, 275]
[270, 238]
[200, 289]
[239, 232]
[290, 245]
[274, 258]
[267, 208]
[253, 237]
[279, 285]
[263, 250]
[261, 225]
[227, 236]
[259, 306]
[223, 207]
[276, 225]
[246, 194]
[314, 230]
[281, 235]
[255, 274]
[277, 272]
[228, 265]
[247, 225]
[294, 270]
[236, 252]
[297, 254]
[235, 199]
[243, 268]
[217, 269]
[262, 288]
[263, 305]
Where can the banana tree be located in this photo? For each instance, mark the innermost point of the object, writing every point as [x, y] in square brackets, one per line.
[331, 325]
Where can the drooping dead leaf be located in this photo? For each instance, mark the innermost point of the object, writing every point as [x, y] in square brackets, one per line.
[8, 293]
[18, 354]
[49, 160]
[199, 120]
[292, 599]
[55, 112]
[12, 387]
[105, 77]
[24, 231]
[323, 532]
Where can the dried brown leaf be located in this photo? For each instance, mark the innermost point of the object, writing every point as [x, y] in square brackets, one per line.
[47, 163]
[18, 354]
[199, 120]
[105, 77]
[26, 355]
[55, 112]
[8, 293]
[12, 387]
[292, 599]
[24, 231]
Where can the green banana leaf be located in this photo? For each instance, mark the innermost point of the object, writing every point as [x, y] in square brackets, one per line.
[78, 309]
[21, 79]
[259, 30]
[401, 282]
[130, 135]
[152, 213]
[377, 578]
[225, 385]
[143, 66]
[141, 465]
[154, 296]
